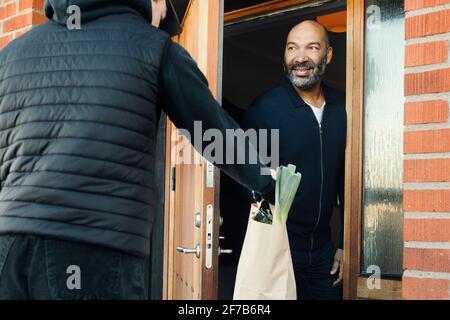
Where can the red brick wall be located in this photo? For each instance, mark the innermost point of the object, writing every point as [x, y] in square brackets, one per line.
[18, 16]
[426, 200]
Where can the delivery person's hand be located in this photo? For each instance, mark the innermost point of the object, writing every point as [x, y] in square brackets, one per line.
[270, 197]
[338, 265]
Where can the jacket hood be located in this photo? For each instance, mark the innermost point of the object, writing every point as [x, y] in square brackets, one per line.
[92, 9]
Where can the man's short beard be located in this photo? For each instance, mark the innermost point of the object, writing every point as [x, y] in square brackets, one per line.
[309, 83]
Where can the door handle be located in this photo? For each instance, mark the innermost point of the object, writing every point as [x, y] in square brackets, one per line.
[195, 250]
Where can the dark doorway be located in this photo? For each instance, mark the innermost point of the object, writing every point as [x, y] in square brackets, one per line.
[231, 5]
[252, 63]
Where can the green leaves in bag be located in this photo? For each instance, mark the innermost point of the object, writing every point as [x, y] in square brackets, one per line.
[286, 188]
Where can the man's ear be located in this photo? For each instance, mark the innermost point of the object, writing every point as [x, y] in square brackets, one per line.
[329, 55]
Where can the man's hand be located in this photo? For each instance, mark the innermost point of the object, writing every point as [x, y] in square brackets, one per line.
[273, 173]
[269, 197]
[338, 265]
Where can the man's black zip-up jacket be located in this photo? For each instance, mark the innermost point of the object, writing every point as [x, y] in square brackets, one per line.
[318, 153]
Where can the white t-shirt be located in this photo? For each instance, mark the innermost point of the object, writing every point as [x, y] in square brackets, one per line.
[318, 112]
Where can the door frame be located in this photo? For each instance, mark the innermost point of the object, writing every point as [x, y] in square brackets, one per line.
[354, 101]
[354, 285]
[354, 151]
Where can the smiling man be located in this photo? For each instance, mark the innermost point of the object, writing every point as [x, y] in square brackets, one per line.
[311, 118]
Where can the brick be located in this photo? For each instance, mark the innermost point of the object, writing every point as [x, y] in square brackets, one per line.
[435, 81]
[431, 260]
[423, 112]
[421, 4]
[427, 24]
[426, 53]
[38, 18]
[23, 20]
[5, 40]
[34, 4]
[21, 32]
[8, 10]
[25, 4]
[427, 201]
[427, 170]
[428, 141]
[433, 230]
[18, 22]
[38, 5]
[425, 289]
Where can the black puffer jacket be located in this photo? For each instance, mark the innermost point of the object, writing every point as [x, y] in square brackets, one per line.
[78, 113]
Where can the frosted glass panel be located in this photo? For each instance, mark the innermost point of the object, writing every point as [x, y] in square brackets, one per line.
[383, 136]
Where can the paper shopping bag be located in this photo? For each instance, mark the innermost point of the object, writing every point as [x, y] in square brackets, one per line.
[265, 270]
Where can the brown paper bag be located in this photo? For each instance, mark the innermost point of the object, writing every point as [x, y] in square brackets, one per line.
[265, 270]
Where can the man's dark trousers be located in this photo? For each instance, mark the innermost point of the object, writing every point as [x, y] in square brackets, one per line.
[33, 267]
[312, 274]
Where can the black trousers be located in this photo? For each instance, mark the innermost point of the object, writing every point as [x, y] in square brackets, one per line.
[33, 267]
[312, 274]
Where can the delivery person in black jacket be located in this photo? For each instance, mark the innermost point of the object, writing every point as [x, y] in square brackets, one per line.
[78, 120]
[311, 118]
